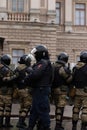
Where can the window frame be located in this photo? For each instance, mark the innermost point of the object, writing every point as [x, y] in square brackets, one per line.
[17, 6]
[80, 10]
[17, 57]
[59, 10]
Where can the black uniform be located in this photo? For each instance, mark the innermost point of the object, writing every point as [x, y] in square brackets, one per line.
[40, 80]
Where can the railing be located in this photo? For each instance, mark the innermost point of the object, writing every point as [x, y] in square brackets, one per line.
[24, 17]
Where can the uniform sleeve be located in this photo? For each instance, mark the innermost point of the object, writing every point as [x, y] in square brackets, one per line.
[8, 75]
[66, 74]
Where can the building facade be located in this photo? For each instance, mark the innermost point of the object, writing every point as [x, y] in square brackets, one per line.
[61, 25]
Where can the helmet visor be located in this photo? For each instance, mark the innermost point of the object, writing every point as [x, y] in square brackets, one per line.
[31, 57]
[33, 51]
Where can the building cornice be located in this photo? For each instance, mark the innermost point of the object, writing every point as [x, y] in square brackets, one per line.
[16, 24]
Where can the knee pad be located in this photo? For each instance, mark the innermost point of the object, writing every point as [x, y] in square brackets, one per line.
[84, 114]
[75, 115]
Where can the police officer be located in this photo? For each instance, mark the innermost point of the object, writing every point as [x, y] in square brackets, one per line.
[80, 82]
[62, 77]
[23, 92]
[40, 80]
[6, 91]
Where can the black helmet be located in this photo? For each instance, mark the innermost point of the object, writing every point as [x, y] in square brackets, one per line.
[6, 59]
[83, 56]
[22, 59]
[63, 57]
[29, 59]
[2, 39]
[40, 52]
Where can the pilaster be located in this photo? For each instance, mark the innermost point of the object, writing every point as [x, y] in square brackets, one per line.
[68, 15]
[51, 10]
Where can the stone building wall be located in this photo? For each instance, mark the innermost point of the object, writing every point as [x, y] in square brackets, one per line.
[26, 36]
[22, 32]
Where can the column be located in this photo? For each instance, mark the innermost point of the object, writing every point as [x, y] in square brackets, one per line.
[9, 5]
[51, 10]
[35, 10]
[68, 15]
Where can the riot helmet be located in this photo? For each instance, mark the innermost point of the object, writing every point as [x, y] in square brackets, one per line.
[29, 59]
[2, 40]
[63, 57]
[22, 59]
[83, 56]
[6, 59]
[40, 52]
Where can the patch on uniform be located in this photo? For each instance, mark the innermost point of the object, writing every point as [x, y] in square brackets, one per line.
[39, 65]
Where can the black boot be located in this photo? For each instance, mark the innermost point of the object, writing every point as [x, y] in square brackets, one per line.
[83, 126]
[44, 128]
[58, 127]
[47, 128]
[29, 128]
[21, 123]
[73, 128]
[74, 125]
[1, 121]
[7, 122]
[39, 125]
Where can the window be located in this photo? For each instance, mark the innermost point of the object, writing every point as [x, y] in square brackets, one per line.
[18, 5]
[16, 54]
[77, 58]
[58, 13]
[80, 14]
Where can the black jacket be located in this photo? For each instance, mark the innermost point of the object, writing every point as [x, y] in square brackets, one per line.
[80, 75]
[41, 76]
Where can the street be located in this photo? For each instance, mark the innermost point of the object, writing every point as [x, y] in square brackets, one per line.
[67, 118]
[66, 124]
